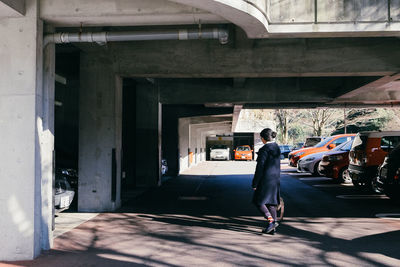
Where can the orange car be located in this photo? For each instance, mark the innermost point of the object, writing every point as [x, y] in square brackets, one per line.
[325, 145]
[243, 153]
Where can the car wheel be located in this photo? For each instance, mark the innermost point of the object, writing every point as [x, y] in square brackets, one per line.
[374, 186]
[344, 176]
[315, 172]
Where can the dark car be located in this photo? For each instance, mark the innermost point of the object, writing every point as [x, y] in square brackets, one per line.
[71, 175]
[335, 163]
[312, 141]
[387, 181]
[63, 194]
[285, 150]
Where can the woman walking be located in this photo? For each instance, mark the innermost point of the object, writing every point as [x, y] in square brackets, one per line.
[266, 179]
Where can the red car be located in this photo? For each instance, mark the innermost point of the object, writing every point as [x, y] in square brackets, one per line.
[334, 164]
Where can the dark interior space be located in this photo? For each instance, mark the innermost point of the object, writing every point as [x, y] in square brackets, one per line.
[128, 180]
[66, 119]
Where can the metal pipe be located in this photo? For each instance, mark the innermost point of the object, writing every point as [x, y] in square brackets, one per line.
[103, 37]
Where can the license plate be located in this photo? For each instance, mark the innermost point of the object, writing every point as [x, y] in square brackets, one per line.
[64, 202]
[243, 157]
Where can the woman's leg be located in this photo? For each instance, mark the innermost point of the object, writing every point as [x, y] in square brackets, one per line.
[272, 211]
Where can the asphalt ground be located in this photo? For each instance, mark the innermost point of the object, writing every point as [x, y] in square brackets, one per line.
[205, 218]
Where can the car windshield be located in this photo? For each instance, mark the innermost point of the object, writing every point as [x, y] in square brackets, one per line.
[344, 147]
[324, 142]
[243, 148]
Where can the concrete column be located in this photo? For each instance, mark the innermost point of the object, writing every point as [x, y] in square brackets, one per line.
[148, 134]
[100, 122]
[26, 126]
[47, 145]
[183, 131]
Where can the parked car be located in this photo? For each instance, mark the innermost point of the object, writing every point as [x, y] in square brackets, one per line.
[310, 163]
[71, 175]
[298, 146]
[63, 194]
[388, 179]
[285, 150]
[312, 141]
[164, 167]
[335, 163]
[368, 151]
[243, 153]
[219, 152]
[325, 145]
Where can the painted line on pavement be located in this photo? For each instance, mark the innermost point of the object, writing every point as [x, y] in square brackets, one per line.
[315, 179]
[362, 197]
[391, 216]
[332, 185]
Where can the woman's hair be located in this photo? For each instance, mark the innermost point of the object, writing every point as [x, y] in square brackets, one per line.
[268, 134]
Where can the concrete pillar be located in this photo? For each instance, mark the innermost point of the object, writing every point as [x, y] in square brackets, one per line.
[184, 132]
[100, 136]
[148, 134]
[26, 126]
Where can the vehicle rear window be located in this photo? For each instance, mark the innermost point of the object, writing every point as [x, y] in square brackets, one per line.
[359, 143]
[389, 142]
[346, 146]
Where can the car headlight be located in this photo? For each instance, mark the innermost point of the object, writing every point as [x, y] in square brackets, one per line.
[309, 159]
[335, 157]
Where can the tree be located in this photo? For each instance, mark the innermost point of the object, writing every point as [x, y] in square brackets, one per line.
[320, 119]
[283, 123]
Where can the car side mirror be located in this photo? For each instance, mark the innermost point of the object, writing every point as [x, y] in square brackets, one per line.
[331, 146]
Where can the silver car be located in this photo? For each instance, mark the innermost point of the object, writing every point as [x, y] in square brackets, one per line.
[219, 152]
[310, 162]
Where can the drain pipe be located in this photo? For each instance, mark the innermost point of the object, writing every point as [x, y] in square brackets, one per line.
[104, 37]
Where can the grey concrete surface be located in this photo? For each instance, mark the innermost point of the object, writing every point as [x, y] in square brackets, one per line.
[66, 221]
[205, 218]
[100, 131]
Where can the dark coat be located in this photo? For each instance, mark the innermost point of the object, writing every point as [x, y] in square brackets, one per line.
[266, 177]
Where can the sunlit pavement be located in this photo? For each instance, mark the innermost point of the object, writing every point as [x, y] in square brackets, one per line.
[205, 218]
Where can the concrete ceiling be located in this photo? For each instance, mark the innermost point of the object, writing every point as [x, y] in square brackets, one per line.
[279, 71]
[12, 8]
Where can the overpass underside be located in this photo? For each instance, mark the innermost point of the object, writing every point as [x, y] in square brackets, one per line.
[277, 54]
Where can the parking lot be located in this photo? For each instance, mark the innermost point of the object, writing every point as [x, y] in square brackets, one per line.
[204, 218]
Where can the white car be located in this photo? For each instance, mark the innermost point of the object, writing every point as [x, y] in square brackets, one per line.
[219, 152]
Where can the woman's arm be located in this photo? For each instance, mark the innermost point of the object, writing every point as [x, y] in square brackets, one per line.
[262, 157]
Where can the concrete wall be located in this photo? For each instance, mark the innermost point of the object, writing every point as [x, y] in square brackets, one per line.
[26, 138]
[193, 132]
[100, 104]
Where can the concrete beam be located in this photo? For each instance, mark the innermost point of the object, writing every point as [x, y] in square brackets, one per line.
[263, 58]
[385, 90]
[249, 15]
[267, 90]
[12, 8]
[122, 13]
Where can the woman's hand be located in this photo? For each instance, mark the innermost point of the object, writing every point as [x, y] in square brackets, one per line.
[254, 188]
